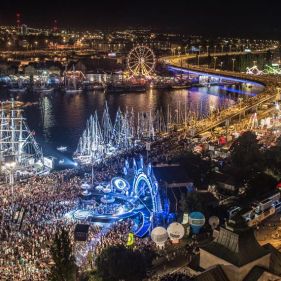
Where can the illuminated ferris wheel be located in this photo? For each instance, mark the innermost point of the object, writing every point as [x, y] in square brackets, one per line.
[141, 61]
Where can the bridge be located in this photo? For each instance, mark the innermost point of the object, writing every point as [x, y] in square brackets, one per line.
[271, 92]
[179, 59]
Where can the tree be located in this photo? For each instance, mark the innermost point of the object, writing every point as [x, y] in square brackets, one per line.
[64, 268]
[260, 184]
[246, 158]
[190, 202]
[272, 158]
[194, 166]
[120, 263]
[175, 277]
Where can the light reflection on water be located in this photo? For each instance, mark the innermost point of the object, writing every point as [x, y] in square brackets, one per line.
[59, 119]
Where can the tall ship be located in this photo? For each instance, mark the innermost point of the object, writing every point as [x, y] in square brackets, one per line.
[42, 87]
[17, 86]
[73, 81]
[19, 150]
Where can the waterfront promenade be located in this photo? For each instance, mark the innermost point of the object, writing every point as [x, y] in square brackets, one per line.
[270, 93]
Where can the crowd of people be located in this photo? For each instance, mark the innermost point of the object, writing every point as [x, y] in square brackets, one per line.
[33, 211]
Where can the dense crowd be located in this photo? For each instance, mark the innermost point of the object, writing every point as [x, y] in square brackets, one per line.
[31, 214]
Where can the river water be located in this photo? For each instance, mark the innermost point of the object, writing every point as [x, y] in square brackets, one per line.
[59, 119]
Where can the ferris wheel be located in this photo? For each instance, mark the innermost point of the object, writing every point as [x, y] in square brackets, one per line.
[141, 61]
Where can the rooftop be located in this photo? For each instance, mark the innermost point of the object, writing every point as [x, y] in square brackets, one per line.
[215, 273]
[236, 244]
[171, 174]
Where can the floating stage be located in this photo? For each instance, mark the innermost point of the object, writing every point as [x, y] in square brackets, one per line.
[135, 195]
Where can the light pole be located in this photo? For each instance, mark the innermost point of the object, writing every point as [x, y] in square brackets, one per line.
[222, 48]
[207, 49]
[215, 58]
[233, 61]
[10, 167]
[215, 49]
[92, 160]
[199, 54]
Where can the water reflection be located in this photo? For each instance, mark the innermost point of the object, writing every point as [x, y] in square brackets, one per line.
[60, 119]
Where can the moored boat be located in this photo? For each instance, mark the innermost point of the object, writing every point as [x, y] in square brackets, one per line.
[62, 148]
[44, 90]
[18, 90]
[73, 91]
[115, 89]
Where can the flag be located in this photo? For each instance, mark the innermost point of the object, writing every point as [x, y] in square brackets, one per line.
[131, 239]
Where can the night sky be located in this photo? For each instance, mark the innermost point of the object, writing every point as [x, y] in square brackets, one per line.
[242, 18]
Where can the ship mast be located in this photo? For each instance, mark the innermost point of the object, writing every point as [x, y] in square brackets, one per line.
[16, 140]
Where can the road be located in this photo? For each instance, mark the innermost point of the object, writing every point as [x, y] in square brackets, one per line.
[179, 59]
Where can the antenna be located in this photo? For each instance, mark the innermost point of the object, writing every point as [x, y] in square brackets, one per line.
[18, 16]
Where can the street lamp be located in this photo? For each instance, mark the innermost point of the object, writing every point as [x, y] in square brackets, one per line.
[233, 61]
[215, 58]
[94, 153]
[207, 48]
[10, 166]
[215, 49]
[199, 48]
[222, 48]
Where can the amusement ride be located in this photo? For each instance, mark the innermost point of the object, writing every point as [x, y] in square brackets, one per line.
[141, 61]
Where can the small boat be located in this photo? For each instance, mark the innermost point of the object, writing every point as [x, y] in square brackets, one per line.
[93, 86]
[73, 91]
[61, 161]
[18, 90]
[62, 148]
[111, 89]
[161, 86]
[180, 86]
[135, 88]
[98, 87]
[43, 90]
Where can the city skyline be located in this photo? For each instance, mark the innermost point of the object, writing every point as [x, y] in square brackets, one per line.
[214, 19]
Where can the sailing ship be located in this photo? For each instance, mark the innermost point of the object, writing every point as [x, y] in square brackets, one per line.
[42, 87]
[17, 87]
[17, 142]
[93, 86]
[71, 82]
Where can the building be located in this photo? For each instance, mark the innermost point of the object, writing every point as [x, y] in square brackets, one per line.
[235, 255]
[172, 175]
[23, 29]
